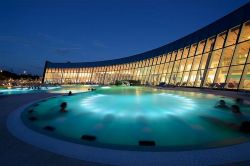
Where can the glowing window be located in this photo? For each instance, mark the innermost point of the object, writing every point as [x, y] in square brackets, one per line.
[241, 53]
[245, 32]
[220, 40]
[209, 45]
[232, 36]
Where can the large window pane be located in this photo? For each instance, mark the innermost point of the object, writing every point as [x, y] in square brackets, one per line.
[233, 77]
[163, 76]
[221, 75]
[241, 53]
[196, 62]
[220, 40]
[161, 68]
[199, 78]
[248, 58]
[149, 70]
[200, 47]
[173, 78]
[168, 57]
[232, 36]
[245, 80]
[159, 60]
[167, 78]
[150, 63]
[192, 50]
[163, 58]
[157, 67]
[155, 61]
[185, 78]
[173, 55]
[176, 66]
[182, 65]
[170, 67]
[178, 79]
[189, 64]
[153, 70]
[209, 45]
[203, 61]
[185, 52]
[144, 63]
[227, 56]
[192, 78]
[179, 54]
[165, 69]
[245, 32]
[210, 77]
[215, 58]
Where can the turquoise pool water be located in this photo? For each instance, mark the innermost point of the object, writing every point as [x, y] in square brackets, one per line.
[120, 117]
[49, 89]
[73, 88]
[27, 90]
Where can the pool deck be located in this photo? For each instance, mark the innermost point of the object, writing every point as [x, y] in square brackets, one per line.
[226, 93]
[16, 152]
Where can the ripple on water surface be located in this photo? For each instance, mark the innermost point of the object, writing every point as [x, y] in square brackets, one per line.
[123, 116]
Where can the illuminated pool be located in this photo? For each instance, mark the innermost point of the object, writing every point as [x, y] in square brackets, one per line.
[138, 117]
[72, 88]
[48, 89]
[27, 90]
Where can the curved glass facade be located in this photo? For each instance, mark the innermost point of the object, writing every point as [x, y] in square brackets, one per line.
[221, 60]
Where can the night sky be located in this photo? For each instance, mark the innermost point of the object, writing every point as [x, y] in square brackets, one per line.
[32, 32]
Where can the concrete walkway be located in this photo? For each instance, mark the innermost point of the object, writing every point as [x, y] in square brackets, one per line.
[226, 93]
[14, 152]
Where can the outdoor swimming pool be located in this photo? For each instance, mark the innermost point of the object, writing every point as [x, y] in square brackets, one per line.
[13, 91]
[72, 88]
[127, 117]
[48, 89]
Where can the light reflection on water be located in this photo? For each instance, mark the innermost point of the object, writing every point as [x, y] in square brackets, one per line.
[125, 115]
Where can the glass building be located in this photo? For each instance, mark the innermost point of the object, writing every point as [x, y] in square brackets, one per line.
[216, 56]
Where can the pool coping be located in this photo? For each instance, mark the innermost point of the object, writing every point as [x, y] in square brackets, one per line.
[226, 93]
[222, 155]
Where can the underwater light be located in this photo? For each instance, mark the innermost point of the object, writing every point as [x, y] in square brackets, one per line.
[106, 87]
[132, 106]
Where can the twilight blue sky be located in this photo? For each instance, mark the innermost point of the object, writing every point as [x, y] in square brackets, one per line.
[33, 31]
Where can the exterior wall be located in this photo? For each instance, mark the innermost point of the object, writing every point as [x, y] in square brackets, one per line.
[221, 60]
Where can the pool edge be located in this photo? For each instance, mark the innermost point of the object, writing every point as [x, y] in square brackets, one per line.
[222, 155]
